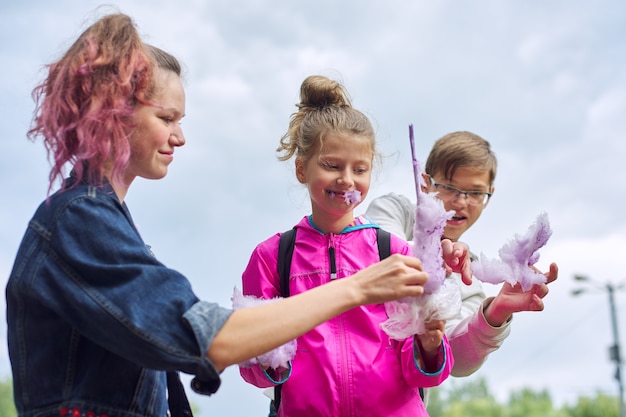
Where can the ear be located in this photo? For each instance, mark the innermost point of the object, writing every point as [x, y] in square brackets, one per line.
[491, 191]
[300, 171]
[426, 178]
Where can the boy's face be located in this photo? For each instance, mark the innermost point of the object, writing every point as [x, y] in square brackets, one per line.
[465, 215]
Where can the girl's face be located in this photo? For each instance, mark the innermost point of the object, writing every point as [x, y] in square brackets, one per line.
[343, 164]
[158, 129]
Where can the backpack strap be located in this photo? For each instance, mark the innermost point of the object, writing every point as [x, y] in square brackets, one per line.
[285, 253]
[176, 397]
[383, 239]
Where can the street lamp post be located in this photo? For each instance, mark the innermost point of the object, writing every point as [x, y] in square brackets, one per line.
[614, 350]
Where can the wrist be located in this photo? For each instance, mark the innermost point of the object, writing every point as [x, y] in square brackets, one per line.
[494, 314]
[348, 293]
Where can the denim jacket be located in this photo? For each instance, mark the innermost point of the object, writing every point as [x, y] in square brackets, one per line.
[95, 320]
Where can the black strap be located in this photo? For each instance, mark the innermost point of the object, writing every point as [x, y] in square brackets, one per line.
[285, 253]
[176, 397]
[383, 239]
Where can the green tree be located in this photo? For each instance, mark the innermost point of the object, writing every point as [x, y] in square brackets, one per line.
[600, 406]
[529, 403]
[468, 391]
[473, 399]
[7, 406]
[477, 407]
[435, 403]
[464, 399]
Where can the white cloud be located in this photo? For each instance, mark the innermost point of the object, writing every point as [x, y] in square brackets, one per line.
[543, 82]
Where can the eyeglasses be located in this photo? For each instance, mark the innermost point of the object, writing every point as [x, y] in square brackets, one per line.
[448, 192]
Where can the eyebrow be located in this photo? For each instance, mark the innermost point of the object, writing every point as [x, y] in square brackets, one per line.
[171, 109]
[473, 187]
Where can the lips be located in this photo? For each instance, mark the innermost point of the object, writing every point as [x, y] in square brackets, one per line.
[349, 197]
[169, 156]
[457, 219]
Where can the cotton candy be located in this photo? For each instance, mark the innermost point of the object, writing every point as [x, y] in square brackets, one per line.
[349, 197]
[352, 197]
[515, 257]
[407, 316]
[430, 220]
[441, 299]
[276, 358]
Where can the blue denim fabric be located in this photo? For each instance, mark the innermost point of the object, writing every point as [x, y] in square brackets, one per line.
[95, 320]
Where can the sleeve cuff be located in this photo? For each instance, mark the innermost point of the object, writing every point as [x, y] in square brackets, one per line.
[276, 376]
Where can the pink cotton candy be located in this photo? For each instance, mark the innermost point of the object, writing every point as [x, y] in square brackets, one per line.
[352, 197]
[515, 256]
[439, 301]
[407, 316]
[275, 358]
[430, 219]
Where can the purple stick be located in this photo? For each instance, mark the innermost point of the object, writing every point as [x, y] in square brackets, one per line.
[414, 160]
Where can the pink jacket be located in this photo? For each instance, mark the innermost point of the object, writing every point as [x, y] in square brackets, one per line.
[347, 366]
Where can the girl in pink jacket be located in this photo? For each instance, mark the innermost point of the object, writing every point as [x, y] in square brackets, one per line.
[347, 366]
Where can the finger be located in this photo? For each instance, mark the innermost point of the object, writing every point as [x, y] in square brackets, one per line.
[466, 273]
[541, 290]
[412, 262]
[460, 248]
[536, 303]
[552, 273]
[446, 247]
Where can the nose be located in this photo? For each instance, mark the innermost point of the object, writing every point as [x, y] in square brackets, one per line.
[177, 138]
[345, 179]
[460, 199]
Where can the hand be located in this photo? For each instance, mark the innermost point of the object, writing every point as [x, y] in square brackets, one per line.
[432, 338]
[396, 277]
[456, 259]
[511, 299]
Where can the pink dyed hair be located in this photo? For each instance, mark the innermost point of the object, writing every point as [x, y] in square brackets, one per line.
[85, 106]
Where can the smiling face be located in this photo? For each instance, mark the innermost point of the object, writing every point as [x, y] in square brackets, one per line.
[157, 130]
[343, 165]
[465, 215]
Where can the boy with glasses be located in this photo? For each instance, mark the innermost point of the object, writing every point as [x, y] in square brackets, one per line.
[461, 168]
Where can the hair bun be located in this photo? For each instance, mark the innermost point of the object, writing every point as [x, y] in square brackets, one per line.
[318, 91]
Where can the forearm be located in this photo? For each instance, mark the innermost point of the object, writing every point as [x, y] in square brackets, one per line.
[253, 331]
[473, 339]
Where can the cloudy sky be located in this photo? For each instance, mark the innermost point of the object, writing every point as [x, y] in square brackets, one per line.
[544, 82]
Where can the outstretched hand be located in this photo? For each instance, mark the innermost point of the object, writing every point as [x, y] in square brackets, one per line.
[511, 299]
[457, 259]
